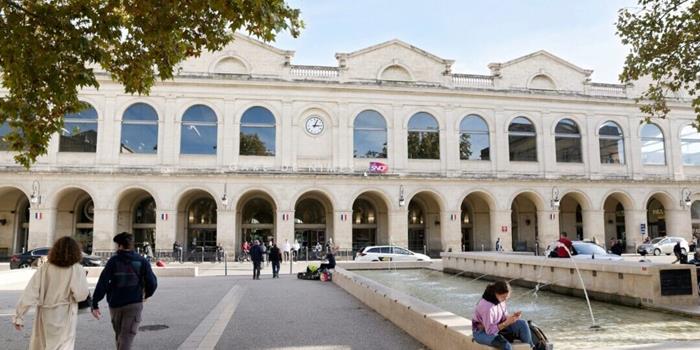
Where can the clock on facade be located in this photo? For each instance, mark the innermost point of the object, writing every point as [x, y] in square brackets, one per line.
[314, 125]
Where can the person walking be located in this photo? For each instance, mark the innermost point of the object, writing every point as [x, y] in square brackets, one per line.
[256, 255]
[177, 251]
[128, 281]
[147, 251]
[287, 249]
[55, 290]
[295, 252]
[275, 258]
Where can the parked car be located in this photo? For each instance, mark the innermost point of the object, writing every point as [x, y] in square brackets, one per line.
[587, 250]
[25, 260]
[664, 245]
[389, 253]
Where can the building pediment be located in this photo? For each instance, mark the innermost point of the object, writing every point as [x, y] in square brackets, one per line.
[540, 70]
[393, 60]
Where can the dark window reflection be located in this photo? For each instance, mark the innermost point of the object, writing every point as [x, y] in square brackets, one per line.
[139, 130]
[4, 130]
[257, 132]
[612, 147]
[522, 140]
[79, 132]
[369, 135]
[199, 130]
[474, 139]
[423, 137]
[568, 142]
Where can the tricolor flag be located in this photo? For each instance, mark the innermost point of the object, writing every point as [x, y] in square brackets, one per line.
[38, 215]
[164, 216]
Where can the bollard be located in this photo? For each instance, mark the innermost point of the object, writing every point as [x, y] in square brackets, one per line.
[425, 249]
[225, 264]
[307, 255]
[482, 247]
[291, 262]
[464, 248]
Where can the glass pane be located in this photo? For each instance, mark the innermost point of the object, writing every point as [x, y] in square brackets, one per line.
[521, 124]
[415, 214]
[198, 139]
[385, 250]
[691, 152]
[199, 113]
[423, 145]
[567, 126]
[89, 113]
[651, 131]
[610, 129]
[690, 132]
[422, 121]
[309, 211]
[369, 144]
[258, 211]
[139, 138]
[695, 210]
[140, 111]
[4, 130]
[363, 212]
[369, 120]
[202, 212]
[653, 152]
[474, 146]
[145, 212]
[523, 148]
[257, 141]
[78, 137]
[612, 151]
[473, 123]
[258, 116]
[568, 149]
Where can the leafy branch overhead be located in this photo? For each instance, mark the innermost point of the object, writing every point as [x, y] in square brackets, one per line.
[47, 49]
[664, 41]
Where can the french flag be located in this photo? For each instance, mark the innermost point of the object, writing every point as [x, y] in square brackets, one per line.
[164, 216]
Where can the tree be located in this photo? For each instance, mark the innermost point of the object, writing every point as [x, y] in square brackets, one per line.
[664, 36]
[252, 145]
[47, 49]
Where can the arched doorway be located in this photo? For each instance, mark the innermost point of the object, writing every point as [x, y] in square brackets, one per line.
[424, 224]
[614, 213]
[137, 214]
[197, 217]
[14, 222]
[257, 217]
[524, 223]
[476, 222]
[313, 215]
[656, 218]
[75, 217]
[416, 227]
[369, 221]
[571, 217]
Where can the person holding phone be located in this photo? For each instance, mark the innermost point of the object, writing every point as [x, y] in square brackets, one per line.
[491, 321]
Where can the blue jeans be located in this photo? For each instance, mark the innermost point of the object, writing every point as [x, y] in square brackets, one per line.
[520, 329]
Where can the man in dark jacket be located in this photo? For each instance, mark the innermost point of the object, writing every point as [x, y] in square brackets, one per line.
[275, 258]
[256, 255]
[127, 280]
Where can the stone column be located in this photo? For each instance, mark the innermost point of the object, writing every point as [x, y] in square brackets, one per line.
[103, 229]
[633, 221]
[594, 225]
[678, 223]
[342, 230]
[226, 229]
[499, 220]
[284, 227]
[41, 227]
[548, 227]
[166, 229]
[398, 227]
[451, 231]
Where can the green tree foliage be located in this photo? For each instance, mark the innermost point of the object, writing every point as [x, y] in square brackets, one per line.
[252, 145]
[47, 49]
[664, 36]
[465, 145]
[423, 145]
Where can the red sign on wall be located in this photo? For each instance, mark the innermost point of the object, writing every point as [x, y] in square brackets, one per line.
[504, 228]
[378, 168]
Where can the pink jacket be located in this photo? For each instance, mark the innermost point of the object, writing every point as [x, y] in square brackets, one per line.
[489, 316]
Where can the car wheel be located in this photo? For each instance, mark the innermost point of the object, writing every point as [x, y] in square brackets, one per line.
[657, 252]
[376, 260]
[23, 265]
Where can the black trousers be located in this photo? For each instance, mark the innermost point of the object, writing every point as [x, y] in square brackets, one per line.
[275, 268]
[256, 269]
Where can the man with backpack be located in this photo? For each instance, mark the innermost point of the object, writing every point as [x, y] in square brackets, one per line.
[127, 280]
[256, 255]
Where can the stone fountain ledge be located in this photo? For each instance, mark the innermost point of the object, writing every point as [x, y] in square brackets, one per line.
[620, 282]
[432, 326]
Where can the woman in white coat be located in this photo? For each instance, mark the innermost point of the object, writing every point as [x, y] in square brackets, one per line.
[55, 290]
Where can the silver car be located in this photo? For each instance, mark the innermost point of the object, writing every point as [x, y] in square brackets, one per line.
[663, 245]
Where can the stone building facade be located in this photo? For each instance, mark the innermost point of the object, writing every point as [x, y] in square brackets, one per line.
[243, 144]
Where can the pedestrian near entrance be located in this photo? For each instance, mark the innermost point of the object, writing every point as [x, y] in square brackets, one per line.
[295, 253]
[256, 255]
[55, 289]
[275, 258]
[287, 249]
[128, 281]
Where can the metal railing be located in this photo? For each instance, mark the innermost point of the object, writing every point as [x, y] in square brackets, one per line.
[602, 89]
[314, 72]
[472, 80]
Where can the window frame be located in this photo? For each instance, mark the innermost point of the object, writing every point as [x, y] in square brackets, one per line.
[185, 123]
[572, 136]
[486, 132]
[149, 122]
[529, 134]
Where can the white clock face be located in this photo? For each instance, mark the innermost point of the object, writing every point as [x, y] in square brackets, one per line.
[314, 125]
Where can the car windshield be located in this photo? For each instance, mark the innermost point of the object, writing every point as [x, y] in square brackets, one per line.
[588, 249]
[656, 240]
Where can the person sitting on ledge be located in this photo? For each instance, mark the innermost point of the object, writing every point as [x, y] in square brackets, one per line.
[491, 320]
[331, 260]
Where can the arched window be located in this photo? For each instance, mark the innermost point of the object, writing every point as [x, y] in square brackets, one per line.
[653, 152]
[522, 140]
[423, 137]
[369, 135]
[198, 131]
[568, 142]
[139, 129]
[309, 211]
[257, 132]
[258, 211]
[612, 144]
[79, 132]
[690, 145]
[4, 130]
[474, 138]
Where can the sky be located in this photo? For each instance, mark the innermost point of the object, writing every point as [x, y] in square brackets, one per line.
[473, 33]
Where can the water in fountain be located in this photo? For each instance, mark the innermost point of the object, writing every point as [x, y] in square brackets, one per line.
[585, 293]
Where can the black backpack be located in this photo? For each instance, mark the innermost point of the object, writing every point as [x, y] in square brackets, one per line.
[539, 338]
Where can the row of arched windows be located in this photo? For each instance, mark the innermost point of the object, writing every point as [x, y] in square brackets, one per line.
[139, 134]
